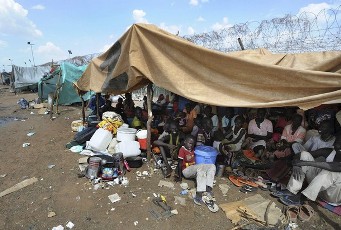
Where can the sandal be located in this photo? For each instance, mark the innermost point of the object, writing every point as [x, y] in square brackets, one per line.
[306, 213]
[235, 181]
[292, 213]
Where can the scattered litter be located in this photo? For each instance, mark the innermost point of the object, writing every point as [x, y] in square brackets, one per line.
[70, 225]
[19, 186]
[114, 198]
[87, 152]
[51, 166]
[78, 198]
[76, 148]
[112, 209]
[184, 192]
[175, 212]
[145, 173]
[184, 185]
[136, 222]
[3, 175]
[179, 200]
[138, 173]
[97, 186]
[133, 194]
[166, 184]
[30, 134]
[31, 112]
[26, 145]
[51, 214]
[224, 188]
[59, 227]
[291, 225]
[154, 194]
[83, 160]
[124, 181]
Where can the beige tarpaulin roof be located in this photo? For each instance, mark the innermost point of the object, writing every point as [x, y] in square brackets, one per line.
[251, 78]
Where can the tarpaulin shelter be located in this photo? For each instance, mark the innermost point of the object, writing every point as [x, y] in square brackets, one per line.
[64, 75]
[256, 78]
[27, 76]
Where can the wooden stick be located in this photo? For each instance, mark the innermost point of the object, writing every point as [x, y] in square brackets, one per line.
[19, 186]
[150, 118]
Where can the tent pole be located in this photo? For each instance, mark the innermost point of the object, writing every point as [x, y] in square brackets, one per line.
[241, 43]
[97, 103]
[150, 118]
[83, 110]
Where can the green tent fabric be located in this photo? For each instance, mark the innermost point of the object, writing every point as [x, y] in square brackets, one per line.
[67, 94]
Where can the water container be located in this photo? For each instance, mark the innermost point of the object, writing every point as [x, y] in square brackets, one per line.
[128, 148]
[126, 134]
[100, 140]
[142, 138]
[205, 154]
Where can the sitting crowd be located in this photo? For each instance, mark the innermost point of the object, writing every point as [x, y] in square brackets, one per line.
[288, 145]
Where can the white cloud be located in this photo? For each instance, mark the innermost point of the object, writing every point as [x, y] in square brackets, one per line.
[3, 44]
[190, 31]
[38, 7]
[219, 26]
[315, 8]
[49, 52]
[14, 20]
[173, 29]
[201, 19]
[138, 16]
[105, 47]
[194, 2]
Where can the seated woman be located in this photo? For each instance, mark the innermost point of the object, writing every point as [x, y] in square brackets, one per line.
[259, 132]
[292, 133]
[282, 121]
[233, 140]
[138, 122]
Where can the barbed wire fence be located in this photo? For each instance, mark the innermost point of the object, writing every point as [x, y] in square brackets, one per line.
[306, 32]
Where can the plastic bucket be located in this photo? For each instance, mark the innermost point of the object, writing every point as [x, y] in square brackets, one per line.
[126, 134]
[141, 134]
[143, 143]
[205, 154]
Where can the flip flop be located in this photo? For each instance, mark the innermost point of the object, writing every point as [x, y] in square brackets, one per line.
[281, 193]
[247, 182]
[235, 181]
[292, 213]
[289, 202]
[213, 207]
[306, 213]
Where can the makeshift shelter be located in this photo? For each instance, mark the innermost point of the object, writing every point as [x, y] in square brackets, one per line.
[62, 78]
[5, 78]
[258, 78]
[27, 76]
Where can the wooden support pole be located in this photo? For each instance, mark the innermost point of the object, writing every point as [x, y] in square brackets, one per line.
[83, 109]
[150, 118]
[97, 104]
[241, 44]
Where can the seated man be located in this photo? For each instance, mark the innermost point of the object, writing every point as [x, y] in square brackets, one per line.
[260, 131]
[204, 134]
[322, 171]
[325, 139]
[169, 144]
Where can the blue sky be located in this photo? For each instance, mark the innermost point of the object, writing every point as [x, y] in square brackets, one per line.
[92, 26]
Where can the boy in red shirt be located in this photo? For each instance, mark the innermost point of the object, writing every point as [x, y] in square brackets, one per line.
[204, 173]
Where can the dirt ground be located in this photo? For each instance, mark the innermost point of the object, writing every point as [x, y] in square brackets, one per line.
[59, 189]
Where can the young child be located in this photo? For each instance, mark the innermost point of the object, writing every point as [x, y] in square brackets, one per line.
[204, 173]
